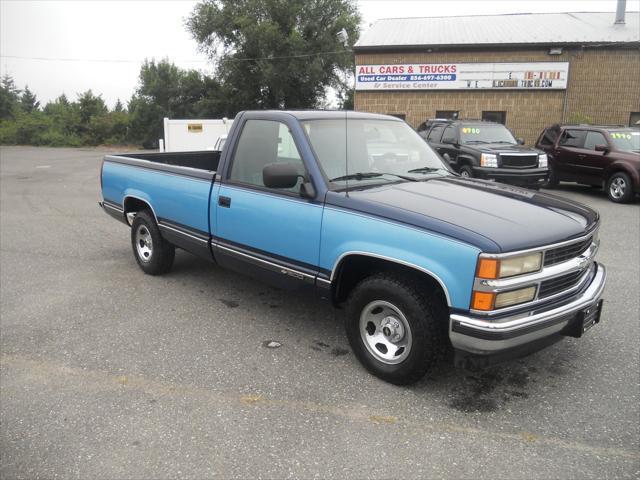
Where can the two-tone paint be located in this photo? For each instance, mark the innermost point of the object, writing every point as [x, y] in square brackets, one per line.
[438, 226]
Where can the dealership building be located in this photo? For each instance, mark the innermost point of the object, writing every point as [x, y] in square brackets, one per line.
[524, 70]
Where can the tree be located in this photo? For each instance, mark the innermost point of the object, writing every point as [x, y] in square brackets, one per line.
[275, 53]
[9, 97]
[165, 90]
[118, 107]
[28, 100]
[90, 106]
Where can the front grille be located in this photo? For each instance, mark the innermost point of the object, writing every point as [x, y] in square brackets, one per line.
[566, 252]
[519, 161]
[563, 282]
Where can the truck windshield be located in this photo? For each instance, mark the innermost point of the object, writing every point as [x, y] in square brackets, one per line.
[627, 140]
[371, 151]
[485, 133]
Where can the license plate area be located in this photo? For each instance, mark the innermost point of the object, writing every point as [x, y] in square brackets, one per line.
[584, 320]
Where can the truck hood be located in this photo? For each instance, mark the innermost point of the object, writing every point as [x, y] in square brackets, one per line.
[492, 216]
[504, 148]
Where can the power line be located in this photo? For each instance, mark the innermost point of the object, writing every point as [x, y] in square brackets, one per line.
[102, 60]
[106, 60]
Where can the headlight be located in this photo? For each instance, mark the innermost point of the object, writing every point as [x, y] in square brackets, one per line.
[543, 161]
[491, 268]
[488, 160]
[490, 301]
[514, 297]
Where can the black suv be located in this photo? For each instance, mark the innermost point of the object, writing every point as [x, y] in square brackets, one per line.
[476, 148]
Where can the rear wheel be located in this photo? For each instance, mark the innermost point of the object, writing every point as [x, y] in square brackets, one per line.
[620, 188]
[466, 171]
[152, 252]
[397, 331]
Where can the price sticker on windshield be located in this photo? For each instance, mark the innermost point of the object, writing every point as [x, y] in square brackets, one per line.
[473, 131]
[623, 136]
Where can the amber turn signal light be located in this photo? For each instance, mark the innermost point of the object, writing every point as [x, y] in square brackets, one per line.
[488, 268]
[483, 300]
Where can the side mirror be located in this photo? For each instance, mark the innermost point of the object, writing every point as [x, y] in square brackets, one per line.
[601, 148]
[520, 140]
[280, 175]
[449, 141]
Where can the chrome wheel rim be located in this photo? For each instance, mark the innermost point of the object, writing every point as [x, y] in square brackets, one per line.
[464, 173]
[617, 187]
[144, 243]
[385, 332]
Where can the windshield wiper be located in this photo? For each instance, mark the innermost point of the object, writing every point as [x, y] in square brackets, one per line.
[502, 141]
[475, 141]
[426, 170]
[365, 175]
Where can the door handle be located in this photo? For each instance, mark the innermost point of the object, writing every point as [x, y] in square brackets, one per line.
[581, 156]
[224, 201]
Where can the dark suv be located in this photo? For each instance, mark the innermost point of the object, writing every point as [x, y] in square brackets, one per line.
[476, 148]
[594, 155]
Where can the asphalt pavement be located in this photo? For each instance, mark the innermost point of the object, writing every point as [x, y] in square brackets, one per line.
[108, 373]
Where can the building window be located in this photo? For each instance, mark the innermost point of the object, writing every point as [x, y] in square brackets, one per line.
[634, 119]
[498, 117]
[448, 114]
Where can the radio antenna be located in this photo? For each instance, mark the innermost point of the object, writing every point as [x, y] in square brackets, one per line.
[346, 154]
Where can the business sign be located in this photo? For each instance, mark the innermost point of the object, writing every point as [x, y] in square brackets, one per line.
[463, 76]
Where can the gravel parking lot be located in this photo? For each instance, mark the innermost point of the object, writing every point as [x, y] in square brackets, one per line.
[108, 373]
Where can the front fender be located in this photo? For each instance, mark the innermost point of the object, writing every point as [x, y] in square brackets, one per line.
[450, 262]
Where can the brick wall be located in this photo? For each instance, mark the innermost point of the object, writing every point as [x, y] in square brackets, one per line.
[603, 84]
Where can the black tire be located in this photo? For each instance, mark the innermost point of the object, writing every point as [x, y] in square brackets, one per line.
[620, 188]
[466, 171]
[424, 314]
[154, 257]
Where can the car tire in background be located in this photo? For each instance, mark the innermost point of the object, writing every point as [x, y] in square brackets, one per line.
[152, 252]
[396, 330]
[466, 171]
[619, 187]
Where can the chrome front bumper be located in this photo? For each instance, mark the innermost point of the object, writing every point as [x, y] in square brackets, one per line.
[485, 335]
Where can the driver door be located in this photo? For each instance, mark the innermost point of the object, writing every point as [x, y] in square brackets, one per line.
[275, 233]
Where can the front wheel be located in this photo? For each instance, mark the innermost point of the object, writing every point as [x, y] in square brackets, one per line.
[619, 188]
[466, 171]
[396, 331]
[152, 252]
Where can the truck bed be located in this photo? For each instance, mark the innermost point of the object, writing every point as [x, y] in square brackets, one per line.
[205, 160]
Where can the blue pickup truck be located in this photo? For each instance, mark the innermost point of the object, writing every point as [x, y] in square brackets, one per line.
[360, 210]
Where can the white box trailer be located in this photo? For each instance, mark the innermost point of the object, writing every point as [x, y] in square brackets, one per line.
[184, 135]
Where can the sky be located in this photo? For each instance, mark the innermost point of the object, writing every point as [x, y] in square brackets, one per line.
[68, 47]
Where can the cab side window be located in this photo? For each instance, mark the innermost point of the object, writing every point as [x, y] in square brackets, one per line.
[594, 138]
[449, 135]
[263, 142]
[573, 138]
[435, 133]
